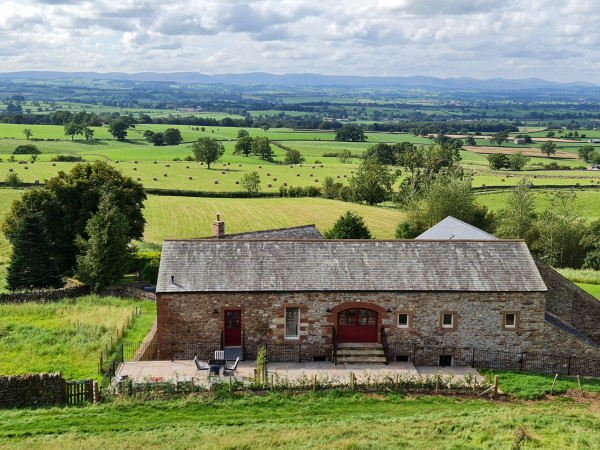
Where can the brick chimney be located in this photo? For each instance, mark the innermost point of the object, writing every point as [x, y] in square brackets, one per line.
[218, 227]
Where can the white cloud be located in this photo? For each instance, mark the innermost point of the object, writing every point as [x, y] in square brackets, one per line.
[479, 38]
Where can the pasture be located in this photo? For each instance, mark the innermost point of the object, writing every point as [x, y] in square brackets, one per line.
[194, 215]
[321, 420]
[67, 336]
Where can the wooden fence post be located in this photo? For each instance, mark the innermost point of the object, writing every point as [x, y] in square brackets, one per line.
[396, 384]
[553, 383]
[437, 382]
[314, 382]
[474, 384]
[495, 393]
[579, 383]
[351, 381]
[96, 392]
[156, 388]
[230, 385]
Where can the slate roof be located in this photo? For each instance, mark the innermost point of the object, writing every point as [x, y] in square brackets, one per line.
[301, 232]
[224, 265]
[451, 228]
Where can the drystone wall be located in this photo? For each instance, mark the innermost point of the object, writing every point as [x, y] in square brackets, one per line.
[17, 391]
[45, 295]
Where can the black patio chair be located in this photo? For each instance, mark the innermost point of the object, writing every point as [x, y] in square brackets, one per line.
[232, 367]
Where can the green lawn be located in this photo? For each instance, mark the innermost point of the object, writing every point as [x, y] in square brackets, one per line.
[593, 289]
[66, 336]
[305, 421]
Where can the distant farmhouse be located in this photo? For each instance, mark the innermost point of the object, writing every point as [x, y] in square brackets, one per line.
[454, 286]
[519, 141]
[594, 141]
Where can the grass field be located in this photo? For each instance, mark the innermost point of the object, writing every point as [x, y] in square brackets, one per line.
[592, 289]
[305, 421]
[195, 215]
[66, 336]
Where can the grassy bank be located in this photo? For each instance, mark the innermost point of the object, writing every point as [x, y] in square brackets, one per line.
[311, 420]
[66, 336]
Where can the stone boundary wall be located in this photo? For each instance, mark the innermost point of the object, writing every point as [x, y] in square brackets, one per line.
[555, 338]
[18, 391]
[570, 303]
[46, 295]
[133, 290]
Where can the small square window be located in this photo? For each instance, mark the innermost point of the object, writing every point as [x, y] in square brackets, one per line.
[403, 320]
[510, 320]
[448, 320]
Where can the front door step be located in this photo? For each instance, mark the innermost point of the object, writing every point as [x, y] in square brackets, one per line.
[360, 353]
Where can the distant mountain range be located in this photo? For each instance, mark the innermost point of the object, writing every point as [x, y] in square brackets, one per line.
[309, 79]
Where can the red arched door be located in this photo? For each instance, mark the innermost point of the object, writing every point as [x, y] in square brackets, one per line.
[357, 325]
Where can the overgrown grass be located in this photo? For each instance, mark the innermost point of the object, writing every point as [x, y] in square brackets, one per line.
[587, 276]
[331, 420]
[531, 386]
[66, 336]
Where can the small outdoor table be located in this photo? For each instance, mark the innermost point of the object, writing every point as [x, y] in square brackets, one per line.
[216, 365]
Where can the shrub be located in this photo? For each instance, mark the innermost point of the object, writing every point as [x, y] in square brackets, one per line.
[13, 180]
[150, 271]
[142, 259]
[26, 149]
[67, 158]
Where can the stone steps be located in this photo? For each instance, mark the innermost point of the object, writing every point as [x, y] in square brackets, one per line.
[360, 353]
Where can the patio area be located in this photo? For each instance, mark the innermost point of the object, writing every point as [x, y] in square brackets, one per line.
[142, 371]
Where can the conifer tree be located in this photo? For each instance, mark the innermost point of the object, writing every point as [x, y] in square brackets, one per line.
[32, 264]
[105, 254]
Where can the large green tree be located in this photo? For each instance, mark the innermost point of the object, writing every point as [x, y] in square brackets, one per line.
[172, 136]
[349, 226]
[548, 148]
[517, 220]
[118, 128]
[32, 264]
[262, 147]
[105, 255]
[68, 201]
[251, 182]
[208, 150]
[243, 146]
[373, 182]
[350, 132]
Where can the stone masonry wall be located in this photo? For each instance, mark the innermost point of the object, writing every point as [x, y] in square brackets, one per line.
[18, 391]
[571, 303]
[560, 342]
[479, 317]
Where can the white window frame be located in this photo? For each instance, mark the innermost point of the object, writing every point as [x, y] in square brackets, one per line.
[404, 326]
[451, 325]
[285, 329]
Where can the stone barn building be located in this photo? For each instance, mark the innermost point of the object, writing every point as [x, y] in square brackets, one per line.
[454, 286]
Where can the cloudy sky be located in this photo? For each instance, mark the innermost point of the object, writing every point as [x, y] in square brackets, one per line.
[556, 40]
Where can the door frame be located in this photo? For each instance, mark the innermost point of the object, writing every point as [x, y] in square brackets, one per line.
[381, 313]
[224, 324]
[356, 330]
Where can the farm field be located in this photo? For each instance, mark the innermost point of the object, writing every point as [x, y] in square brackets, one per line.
[66, 336]
[587, 202]
[329, 420]
[195, 215]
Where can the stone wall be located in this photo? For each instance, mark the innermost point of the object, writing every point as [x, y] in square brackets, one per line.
[479, 317]
[18, 391]
[45, 295]
[557, 341]
[571, 303]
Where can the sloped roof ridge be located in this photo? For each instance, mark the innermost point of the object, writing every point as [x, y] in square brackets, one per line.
[440, 226]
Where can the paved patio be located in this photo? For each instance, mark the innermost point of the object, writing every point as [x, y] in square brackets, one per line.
[141, 371]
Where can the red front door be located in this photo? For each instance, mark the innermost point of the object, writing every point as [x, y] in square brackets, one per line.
[357, 325]
[233, 328]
